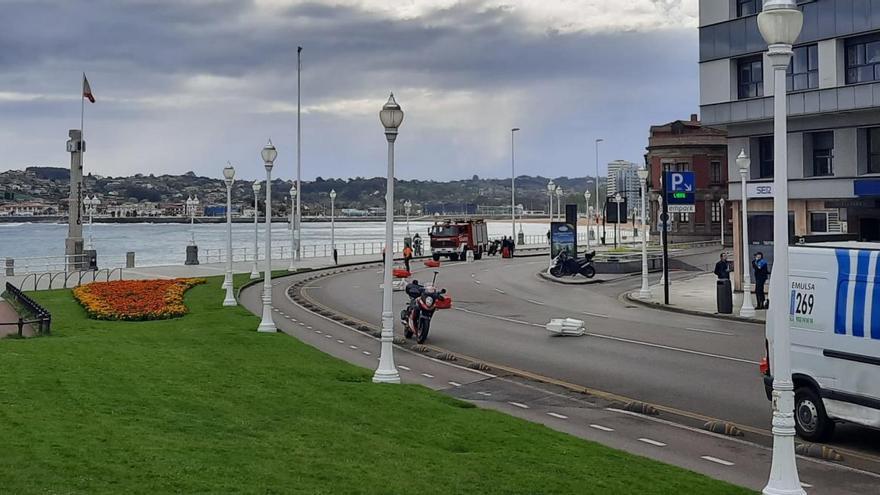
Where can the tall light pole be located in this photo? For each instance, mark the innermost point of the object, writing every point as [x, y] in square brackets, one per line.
[721, 204]
[333, 221]
[780, 24]
[407, 207]
[617, 199]
[597, 182]
[559, 203]
[663, 228]
[513, 183]
[297, 212]
[269, 154]
[91, 205]
[191, 204]
[587, 207]
[255, 271]
[551, 188]
[645, 291]
[294, 228]
[748, 309]
[391, 117]
[229, 178]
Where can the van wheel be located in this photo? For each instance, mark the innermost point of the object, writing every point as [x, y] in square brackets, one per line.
[811, 421]
[453, 257]
[436, 257]
[478, 253]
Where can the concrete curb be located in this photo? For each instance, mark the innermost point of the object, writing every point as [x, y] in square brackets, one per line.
[627, 297]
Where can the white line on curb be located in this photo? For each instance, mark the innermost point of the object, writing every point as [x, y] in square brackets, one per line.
[652, 442]
[555, 415]
[519, 405]
[716, 460]
[601, 428]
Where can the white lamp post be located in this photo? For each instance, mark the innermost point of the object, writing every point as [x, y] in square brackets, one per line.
[407, 207]
[721, 203]
[551, 188]
[294, 228]
[391, 117]
[91, 205]
[748, 309]
[559, 203]
[587, 208]
[513, 183]
[191, 204]
[617, 199]
[780, 24]
[269, 154]
[333, 220]
[255, 271]
[229, 178]
[597, 181]
[645, 291]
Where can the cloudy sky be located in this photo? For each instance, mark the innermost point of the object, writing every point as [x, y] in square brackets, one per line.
[188, 85]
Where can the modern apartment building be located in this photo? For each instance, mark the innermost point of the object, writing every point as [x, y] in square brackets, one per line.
[834, 114]
[623, 178]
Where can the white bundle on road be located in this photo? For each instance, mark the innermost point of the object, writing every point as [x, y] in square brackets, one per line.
[566, 326]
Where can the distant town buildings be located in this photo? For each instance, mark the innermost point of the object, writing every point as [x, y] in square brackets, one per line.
[623, 178]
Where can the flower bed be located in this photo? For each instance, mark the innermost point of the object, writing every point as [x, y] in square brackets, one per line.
[135, 300]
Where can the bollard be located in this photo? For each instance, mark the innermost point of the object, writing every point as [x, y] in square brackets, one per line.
[129, 259]
[10, 267]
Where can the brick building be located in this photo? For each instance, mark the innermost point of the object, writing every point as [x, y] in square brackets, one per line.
[686, 145]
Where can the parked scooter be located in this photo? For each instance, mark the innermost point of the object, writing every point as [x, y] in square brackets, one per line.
[424, 300]
[564, 265]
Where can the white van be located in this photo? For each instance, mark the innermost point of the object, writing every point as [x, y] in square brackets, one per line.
[834, 310]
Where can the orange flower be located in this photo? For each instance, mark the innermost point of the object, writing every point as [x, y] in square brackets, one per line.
[135, 300]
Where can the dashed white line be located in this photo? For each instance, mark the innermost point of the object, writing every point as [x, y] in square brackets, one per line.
[318, 331]
[539, 303]
[652, 442]
[477, 282]
[340, 341]
[714, 332]
[500, 291]
[367, 353]
[426, 375]
[806, 485]
[328, 336]
[307, 326]
[484, 394]
[716, 460]
[601, 428]
[597, 315]
[301, 324]
[555, 415]
[407, 368]
[518, 404]
[455, 384]
[353, 347]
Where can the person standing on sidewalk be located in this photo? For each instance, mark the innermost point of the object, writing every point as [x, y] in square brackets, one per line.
[722, 268]
[762, 273]
[407, 256]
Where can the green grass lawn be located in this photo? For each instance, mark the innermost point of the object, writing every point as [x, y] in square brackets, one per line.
[205, 404]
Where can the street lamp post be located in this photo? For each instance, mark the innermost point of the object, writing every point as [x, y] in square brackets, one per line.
[645, 291]
[391, 117]
[748, 309]
[513, 184]
[229, 178]
[91, 205]
[551, 188]
[407, 206]
[559, 194]
[663, 228]
[587, 208]
[780, 24]
[269, 154]
[597, 186]
[255, 271]
[617, 199]
[294, 228]
[191, 203]
[721, 203]
[333, 223]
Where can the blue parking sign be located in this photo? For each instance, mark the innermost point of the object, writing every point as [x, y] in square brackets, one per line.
[680, 182]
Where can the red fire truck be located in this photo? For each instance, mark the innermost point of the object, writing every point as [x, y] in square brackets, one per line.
[454, 238]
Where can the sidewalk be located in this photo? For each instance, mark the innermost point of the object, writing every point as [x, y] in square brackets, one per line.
[9, 315]
[696, 296]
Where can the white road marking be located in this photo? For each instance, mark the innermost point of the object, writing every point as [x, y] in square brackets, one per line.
[455, 384]
[652, 442]
[677, 349]
[601, 428]
[367, 353]
[318, 331]
[407, 368]
[484, 394]
[716, 460]
[328, 336]
[307, 326]
[715, 332]
[340, 341]
[498, 317]
[555, 415]
[519, 405]
[806, 485]
[301, 324]
[353, 347]
[500, 291]
[597, 315]
[477, 282]
[426, 375]
[539, 303]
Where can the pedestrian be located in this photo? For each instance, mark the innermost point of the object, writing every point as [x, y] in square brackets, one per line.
[407, 255]
[417, 245]
[722, 268]
[759, 264]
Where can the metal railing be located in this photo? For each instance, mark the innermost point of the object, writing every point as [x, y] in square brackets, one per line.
[284, 252]
[68, 280]
[42, 317]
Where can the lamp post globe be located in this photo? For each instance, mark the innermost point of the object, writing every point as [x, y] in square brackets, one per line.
[780, 24]
[645, 290]
[294, 229]
[267, 324]
[391, 116]
[255, 270]
[229, 178]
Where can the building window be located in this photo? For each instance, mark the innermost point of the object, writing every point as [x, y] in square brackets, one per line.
[803, 71]
[684, 217]
[680, 167]
[765, 157]
[746, 7]
[818, 223]
[863, 59]
[874, 150]
[715, 172]
[716, 212]
[750, 77]
[823, 153]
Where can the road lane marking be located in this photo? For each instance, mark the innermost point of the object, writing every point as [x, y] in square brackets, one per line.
[555, 415]
[426, 375]
[806, 485]
[477, 282]
[301, 324]
[404, 367]
[518, 404]
[539, 303]
[308, 326]
[340, 341]
[677, 349]
[597, 315]
[354, 347]
[328, 336]
[498, 317]
[601, 428]
[318, 331]
[716, 460]
[455, 384]
[652, 442]
[367, 353]
[715, 332]
[500, 291]
[484, 394]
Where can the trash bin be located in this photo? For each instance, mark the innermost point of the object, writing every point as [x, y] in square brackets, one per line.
[91, 261]
[192, 255]
[724, 294]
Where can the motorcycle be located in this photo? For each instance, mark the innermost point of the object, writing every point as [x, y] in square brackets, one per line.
[564, 265]
[494, 247]
[424, 300]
